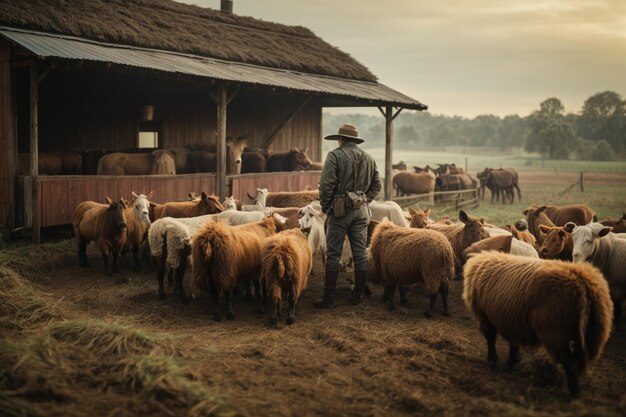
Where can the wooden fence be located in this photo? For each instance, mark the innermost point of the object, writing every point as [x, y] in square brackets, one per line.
[457, 199]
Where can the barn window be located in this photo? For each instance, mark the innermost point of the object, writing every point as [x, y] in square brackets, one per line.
[148, 140]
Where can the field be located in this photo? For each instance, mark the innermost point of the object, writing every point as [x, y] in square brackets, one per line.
[75, 343]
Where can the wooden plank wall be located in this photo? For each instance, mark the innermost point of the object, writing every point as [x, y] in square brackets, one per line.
[273, 181]
[99, 110]
[59, 195]
[8, 152]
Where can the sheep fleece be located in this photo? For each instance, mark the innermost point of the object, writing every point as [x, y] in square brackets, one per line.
[535, 302]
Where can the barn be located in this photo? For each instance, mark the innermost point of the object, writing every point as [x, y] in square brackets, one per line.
[130, 74]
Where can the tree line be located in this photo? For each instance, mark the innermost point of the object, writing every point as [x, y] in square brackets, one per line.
[598, 132]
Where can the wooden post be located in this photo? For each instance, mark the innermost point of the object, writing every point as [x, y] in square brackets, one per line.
[388, 152]
[582, 186]
[220, 178]
[34, 153]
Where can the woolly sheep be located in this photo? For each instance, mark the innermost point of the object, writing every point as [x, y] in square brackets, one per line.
[595, 244]
[389, 209]
[564, 307]
[405, 256]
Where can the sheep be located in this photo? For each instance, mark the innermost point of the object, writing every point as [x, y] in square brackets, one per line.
[518, 247]
[560, 215]
[405, 256]
[224, 255]
[286, 265]
[231, 203]
[564, 307]
[389, 209]
[137, 215]
[207, 204]
[595, 244]
[461, 236]
[557, 243]
[103, 223]
[618, 225]
[500, 243]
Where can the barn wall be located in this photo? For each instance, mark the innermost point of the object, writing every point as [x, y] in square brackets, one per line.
[7, 145]
[100, 110]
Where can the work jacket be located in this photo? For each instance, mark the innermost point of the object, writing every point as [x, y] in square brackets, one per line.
[338, 174]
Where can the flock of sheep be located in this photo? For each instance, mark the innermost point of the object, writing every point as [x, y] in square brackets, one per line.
[555, 279]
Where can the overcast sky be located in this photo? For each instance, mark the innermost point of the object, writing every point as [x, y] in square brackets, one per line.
[470, 57]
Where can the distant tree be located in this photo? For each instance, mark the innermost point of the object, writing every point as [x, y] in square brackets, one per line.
[375, 136]
[583, 149]
[604, 117]
[408, 137]
[603, 151]
[550, 133]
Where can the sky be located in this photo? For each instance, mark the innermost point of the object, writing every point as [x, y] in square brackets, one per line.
[470, 57]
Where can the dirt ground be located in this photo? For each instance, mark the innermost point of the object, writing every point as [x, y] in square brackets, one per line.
[348, 361]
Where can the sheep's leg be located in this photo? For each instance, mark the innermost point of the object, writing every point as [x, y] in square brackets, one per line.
[180, 274]
[514, 356]
[572, 371]
[292, 308]
[160, 268]
[390, 291]
[275, 312]
[443, 290]
[136, 266]
[247, 291]
[403, 292]
[116, 269]
[82, 253]
[263, 304]
[105, 262]
[215, 298]
[228, 296]
[490, 333]
[257, 288]
[170, 279]
[431, 304]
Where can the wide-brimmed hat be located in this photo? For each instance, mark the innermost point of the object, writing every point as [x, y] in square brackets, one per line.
[347, 131]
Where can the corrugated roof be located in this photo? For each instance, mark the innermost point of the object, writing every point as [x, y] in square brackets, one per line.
[45, 45]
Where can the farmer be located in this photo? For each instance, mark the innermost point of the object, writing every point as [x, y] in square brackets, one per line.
[349, 181]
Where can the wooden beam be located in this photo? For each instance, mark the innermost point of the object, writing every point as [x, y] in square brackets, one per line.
[382, 111]
[388, 151]
[396, 113]
[222, 103]
[275, 133]
[34, 152]
[231, 96]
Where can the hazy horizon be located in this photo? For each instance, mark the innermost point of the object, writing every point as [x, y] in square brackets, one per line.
[468, 58]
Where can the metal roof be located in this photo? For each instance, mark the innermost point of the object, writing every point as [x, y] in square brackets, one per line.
[46, 45]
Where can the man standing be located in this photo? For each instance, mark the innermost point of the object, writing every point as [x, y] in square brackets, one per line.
[349, 181]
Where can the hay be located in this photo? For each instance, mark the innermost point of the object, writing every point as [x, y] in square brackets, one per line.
[167, 25]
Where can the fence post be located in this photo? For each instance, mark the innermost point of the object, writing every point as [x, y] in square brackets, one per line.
[582, 186]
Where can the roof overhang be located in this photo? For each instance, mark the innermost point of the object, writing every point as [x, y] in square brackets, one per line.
[358, 93]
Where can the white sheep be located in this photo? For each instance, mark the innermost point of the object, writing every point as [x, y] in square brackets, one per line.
[389, 209]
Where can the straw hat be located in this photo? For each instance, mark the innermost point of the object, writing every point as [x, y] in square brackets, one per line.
[347, 131]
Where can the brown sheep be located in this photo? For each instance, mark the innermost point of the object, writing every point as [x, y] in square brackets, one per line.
[292, 214]
[461, 236]
[404, 256]
[286, 265]
[579, 214]
[224, 255]
[564, 307]
[500, 243]
[207, 204]
[618, 225]
[288, 198]
[557, 243]
[103, 223]
[138, 222]
[535, 217]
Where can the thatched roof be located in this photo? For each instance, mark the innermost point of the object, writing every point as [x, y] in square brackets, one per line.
[167, 25]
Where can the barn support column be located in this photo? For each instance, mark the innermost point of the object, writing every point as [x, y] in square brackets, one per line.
[34, 154]
[389, 116]
[222, 103]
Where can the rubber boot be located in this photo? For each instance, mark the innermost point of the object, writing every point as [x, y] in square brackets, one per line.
[330, 284]
[359, 286]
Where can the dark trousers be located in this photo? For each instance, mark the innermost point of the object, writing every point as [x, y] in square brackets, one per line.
[354, 225]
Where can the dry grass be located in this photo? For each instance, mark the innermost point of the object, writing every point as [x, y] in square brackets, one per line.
[167, 25]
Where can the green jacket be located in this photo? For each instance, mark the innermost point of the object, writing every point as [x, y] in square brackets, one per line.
[338, 174]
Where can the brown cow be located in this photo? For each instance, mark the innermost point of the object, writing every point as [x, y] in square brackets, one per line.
[206, 204]
[414, 183]
[203, 160]
[557, 243]
[535, 217]
[159, 162]
[49, 164]
[253, 161]
[453, 182]
[618, 225]
[293, 160]
[500, 182]
[579, 214]
[103, 223]
[71, 162]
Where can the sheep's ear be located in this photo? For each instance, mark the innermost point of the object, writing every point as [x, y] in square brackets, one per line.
[463, 216]
[412, 212]
[108, 200]
[427, 211]
[605, 231]
[539, 210]
[149, 195]
[133, 194]
[525, 212]
[204, 196]
[153, 205]
[569, 227]
[544, 228]
[190, 195]
[122, 203]
[562, 233]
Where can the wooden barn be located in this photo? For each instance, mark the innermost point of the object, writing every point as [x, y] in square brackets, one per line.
[113, 74]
